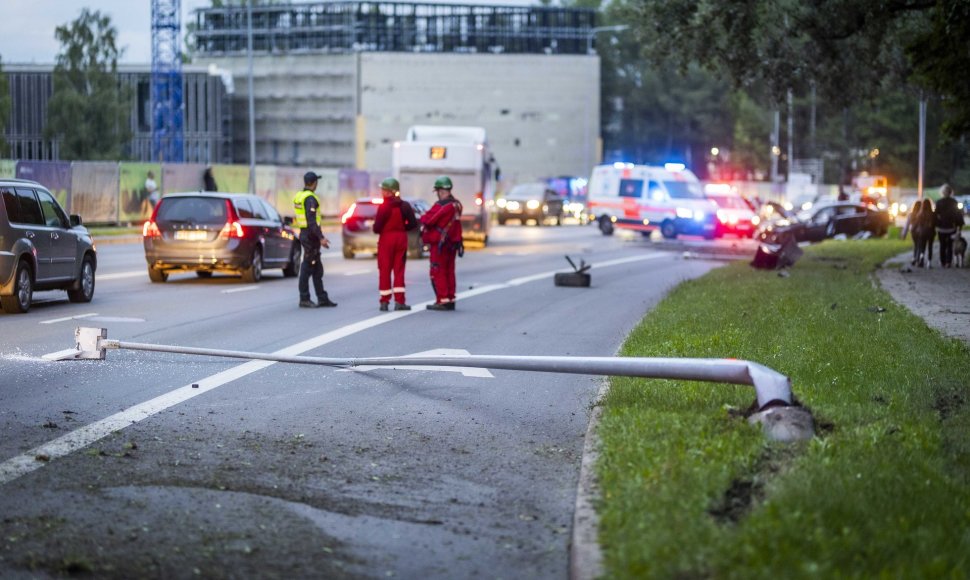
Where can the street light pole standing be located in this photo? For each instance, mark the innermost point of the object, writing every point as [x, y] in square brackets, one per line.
[587, 136]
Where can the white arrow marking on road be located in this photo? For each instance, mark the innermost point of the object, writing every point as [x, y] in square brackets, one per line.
[66, 318]
[28, 461]
[466, 371]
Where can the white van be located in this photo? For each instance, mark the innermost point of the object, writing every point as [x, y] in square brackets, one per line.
[645, 198]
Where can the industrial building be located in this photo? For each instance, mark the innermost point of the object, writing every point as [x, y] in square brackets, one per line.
[336, 83]
[207, 109]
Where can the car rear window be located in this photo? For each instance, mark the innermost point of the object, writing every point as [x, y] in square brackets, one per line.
[192, 210]
[12, 205]
[365, 211]
[30, 212]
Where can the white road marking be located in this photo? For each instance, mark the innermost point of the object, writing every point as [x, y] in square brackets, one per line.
[41, 455]
[356, 272]
[66, 318]
[243, 289]
[120, 275]
[466, 371]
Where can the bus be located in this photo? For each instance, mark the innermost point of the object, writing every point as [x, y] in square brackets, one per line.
[462, 154]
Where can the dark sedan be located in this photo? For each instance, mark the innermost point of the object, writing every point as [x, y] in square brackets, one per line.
[829, 221]
[357, 228]
[535, 201]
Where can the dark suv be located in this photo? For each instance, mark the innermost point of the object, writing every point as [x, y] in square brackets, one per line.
[41, 248]
[219, 232]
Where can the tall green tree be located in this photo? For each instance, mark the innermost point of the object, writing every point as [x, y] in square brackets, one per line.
[89, 110]
[6, 102]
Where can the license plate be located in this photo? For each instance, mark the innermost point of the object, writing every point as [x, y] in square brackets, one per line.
[192, 235]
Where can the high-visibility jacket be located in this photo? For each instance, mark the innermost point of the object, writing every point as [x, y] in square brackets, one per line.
[299, 208]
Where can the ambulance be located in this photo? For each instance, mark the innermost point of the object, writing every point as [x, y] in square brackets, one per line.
[645, 198]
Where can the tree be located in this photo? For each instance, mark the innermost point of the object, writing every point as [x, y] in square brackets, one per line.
[89, 110]
[6, 102]
[851, 50]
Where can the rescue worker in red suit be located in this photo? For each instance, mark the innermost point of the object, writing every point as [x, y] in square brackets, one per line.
[442, 232]
[395, 217]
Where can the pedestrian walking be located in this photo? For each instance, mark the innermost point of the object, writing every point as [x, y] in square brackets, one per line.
[306, 206]
[911, 218]
[949, 222]
[395, 217]
[924, 231]
[442, 232]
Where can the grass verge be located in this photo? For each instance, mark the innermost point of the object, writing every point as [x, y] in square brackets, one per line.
[689, 490]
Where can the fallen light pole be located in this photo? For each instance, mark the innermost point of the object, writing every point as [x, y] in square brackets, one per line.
[780, 418]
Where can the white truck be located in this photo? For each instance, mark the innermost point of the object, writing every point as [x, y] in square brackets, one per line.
[645, 198]
[462, 154]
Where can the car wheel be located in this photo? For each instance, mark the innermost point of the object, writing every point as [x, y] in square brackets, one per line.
[254, 272]
[606, 226]
[203, 273]
[85, 284]
[292, 268]
[416, 253]
[501, 221]
[23, 291]
[157, 275]
[559, 219]
[348, 253]
[668, 230]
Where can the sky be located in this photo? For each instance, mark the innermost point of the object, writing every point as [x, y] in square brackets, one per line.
[27, 26]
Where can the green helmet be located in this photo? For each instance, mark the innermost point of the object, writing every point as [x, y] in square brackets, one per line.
[443, 182]
[391, 184]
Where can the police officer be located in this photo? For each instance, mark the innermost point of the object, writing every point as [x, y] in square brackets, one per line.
[442, 231]
[394, 218]
[306, 205]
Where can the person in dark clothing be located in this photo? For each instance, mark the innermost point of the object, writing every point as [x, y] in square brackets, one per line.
[924, 230]
[306, 206]
[949, 222]
[208, 181]
[394, 218]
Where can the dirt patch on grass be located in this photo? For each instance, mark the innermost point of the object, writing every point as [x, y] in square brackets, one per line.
[745, 492]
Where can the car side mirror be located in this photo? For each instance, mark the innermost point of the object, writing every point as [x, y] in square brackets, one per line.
[75, 220]
[287, 220]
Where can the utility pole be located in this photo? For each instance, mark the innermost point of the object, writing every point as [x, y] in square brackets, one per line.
[252, 106]
[791, 137]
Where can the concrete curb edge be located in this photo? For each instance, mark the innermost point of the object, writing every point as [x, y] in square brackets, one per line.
[585, 556]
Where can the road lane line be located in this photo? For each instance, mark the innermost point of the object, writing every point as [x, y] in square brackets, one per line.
[243, 289]
[120, 275]
[356, 272]
[66, 318]
[41, 455]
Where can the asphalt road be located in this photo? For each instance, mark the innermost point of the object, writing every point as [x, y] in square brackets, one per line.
[123, 469]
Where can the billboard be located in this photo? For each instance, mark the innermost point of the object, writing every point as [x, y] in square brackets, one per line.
[139, 187]
[94, 191]
[54, 175]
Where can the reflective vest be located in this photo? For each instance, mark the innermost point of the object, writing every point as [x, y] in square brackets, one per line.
[300, 210]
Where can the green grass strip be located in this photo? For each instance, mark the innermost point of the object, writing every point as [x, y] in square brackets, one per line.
[689, 490]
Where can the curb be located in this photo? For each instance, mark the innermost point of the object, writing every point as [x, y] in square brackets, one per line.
[585, 555]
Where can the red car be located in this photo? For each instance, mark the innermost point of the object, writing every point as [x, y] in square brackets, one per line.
[735, 215]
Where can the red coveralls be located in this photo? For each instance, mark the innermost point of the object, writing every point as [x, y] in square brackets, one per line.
[442, 231]
[394, 217]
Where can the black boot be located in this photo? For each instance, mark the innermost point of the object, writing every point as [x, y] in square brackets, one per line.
[384, 306]
[325, 302]
[308, 304]
[401, 306]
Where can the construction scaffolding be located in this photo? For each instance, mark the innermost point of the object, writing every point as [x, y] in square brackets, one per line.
[167, 111]
[340, 27]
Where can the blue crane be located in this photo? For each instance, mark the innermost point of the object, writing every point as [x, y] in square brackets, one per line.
[166, 98]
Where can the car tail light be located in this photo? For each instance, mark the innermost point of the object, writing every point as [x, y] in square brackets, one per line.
[232, 229]
[349, 214]
[150, 229]
[479, 198]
